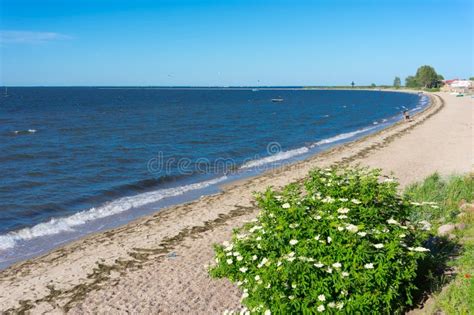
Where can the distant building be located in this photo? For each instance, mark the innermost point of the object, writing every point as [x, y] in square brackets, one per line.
[458, 86]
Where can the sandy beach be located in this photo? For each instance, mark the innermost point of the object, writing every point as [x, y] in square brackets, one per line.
[158, 264]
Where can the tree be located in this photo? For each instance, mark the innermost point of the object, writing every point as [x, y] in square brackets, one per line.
[426, 76]
[373, 85]
[397, 82]
[411, 82]
[352, 83]
[471, 78]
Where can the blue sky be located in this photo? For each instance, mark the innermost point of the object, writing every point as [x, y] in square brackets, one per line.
[328, 42]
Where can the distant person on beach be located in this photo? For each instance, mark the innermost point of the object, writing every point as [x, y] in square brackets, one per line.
[406, 115]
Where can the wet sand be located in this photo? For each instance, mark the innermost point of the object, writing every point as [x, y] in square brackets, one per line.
[157, 264]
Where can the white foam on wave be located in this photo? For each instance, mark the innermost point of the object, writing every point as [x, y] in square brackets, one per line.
[65, 224]
[283, 155]
[342, 136]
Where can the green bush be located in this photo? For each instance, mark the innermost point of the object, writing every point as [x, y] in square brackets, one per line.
[339, 243]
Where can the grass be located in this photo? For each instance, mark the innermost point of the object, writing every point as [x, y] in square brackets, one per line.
[456, 297]
[447, 193]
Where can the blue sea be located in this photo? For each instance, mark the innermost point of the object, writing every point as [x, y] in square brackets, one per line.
[79, 160]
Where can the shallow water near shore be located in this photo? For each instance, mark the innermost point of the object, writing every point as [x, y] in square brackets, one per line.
[99, 158]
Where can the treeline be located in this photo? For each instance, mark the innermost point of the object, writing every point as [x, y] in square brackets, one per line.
[425, 77]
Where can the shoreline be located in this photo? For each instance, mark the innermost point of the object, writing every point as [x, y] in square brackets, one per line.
[53, 233]
[76, 273]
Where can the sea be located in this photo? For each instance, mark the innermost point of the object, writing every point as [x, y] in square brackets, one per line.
[78, 160]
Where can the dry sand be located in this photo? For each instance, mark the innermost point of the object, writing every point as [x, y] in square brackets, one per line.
[157, 264]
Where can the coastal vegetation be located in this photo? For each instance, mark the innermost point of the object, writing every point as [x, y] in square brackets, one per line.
[453, 287]
[341, 241]
[397, 82]
[346, 241]
[425, 77]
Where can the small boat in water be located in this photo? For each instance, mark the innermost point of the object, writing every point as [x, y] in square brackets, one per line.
[277, 100]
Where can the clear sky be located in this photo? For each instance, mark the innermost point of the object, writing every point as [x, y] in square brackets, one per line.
[227, 42]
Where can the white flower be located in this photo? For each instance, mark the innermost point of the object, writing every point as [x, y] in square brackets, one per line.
[378, 246]
[217, 260]
[268, 286]
[425, 225]
[229, 261]
[355, 201]
[316, 237]
[259, 238]
[293, 242]
[340, 305]
[343, 210]
[257, 277]
[263, 262]
[343, 293]
[229, 248]
[236, 254]
[243, 269]
[321, 297]
[345, 274]
[343, 199]
[319, 265]
[293, 285]
[254, 257]
[240, 258]
[369, 266]
[342, 216]
[291, 297]
[328, 199]
[401, 235]
[294, 225]
[241, 236]
[285, 205]
[278, 197]
[362, 234]
[245, 295]
[337, 265]
[419, 249]
[392, 221]
[318, 217]
[290, 259]
[340, 228]
[332, 304]
[278, 263]
[267, 312]
[329, 270]
[329, 239]
[225, 244]
[389, 180]
[352, 228]
[321, 308]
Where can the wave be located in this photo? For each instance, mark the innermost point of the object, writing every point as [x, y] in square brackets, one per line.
[22, 132]
[342, 136]
[65, 224]
[283, 155]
